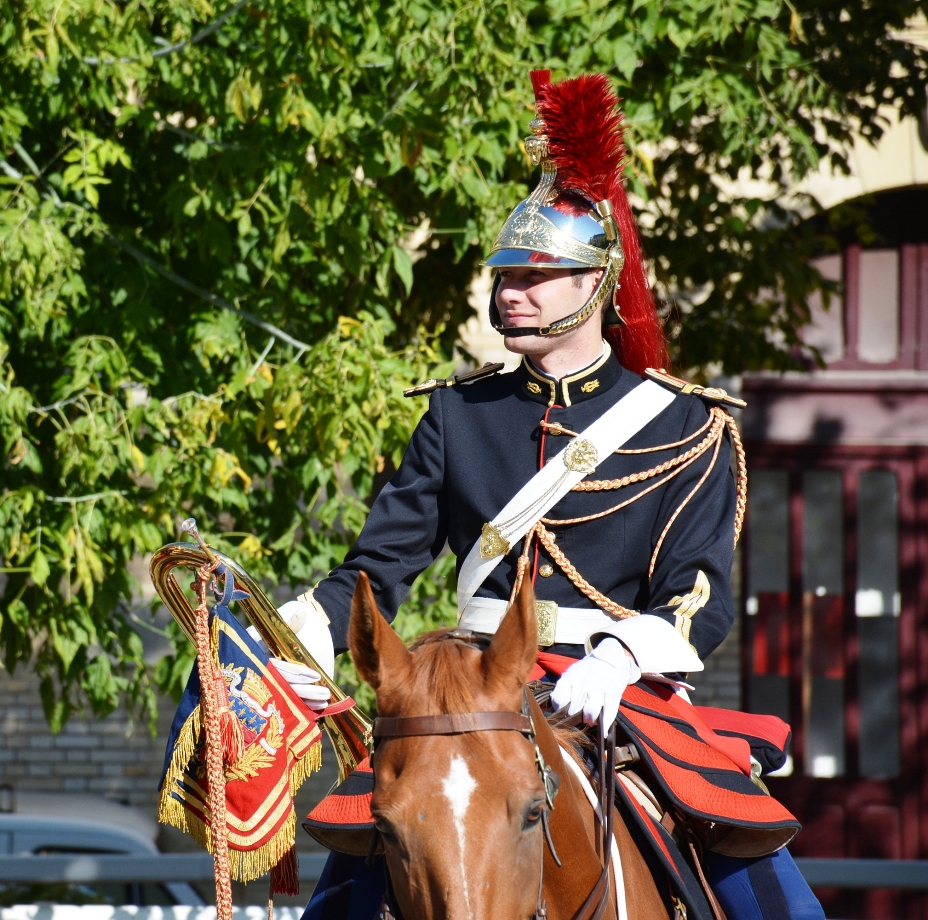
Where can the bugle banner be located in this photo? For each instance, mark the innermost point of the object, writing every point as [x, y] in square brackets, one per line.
[248, 732]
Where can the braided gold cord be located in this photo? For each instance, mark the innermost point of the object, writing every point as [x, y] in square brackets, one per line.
[215, 770]
[717, 421]
[548, 541]
[601, 514]
[556, 428]
[521, 566]
[684, 461]
[741, 488]
[681, 506]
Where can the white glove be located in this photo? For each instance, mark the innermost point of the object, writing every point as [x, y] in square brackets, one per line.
[311, 625]
[596, 682]
[303, 680]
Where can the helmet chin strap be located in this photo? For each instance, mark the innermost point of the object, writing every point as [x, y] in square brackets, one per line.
[607, 284]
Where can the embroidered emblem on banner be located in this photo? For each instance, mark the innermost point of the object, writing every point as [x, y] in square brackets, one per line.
[261, 722]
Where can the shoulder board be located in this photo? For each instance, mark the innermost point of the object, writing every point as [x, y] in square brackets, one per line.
[713, 395]
[488, 370]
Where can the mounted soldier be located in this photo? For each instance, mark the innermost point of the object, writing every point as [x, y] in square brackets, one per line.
[587, 470]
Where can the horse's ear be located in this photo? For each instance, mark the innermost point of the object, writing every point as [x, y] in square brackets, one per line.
[377, 651]
[511, 655]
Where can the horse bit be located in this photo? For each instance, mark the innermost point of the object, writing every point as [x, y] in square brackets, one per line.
[594, 906]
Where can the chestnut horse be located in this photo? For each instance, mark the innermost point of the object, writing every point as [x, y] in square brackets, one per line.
[461, 815]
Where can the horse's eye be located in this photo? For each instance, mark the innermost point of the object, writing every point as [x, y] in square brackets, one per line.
[385, 829]
[533, 815]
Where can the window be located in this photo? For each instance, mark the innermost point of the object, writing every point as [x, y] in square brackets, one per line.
[799, 625]
[768, 603]
[826, 327]
[877, 604]
[878, 335]
[822, 622]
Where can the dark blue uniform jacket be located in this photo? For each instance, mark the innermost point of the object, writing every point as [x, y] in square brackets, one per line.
[479, 443]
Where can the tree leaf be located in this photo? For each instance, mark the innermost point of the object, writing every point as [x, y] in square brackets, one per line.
[403, 265]
[40, 569]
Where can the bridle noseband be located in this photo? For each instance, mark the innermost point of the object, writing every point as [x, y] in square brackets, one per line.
[522, 722]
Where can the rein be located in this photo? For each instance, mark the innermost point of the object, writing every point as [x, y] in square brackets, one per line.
[597, 900]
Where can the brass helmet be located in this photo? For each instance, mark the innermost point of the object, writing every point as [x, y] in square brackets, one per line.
[568, 221]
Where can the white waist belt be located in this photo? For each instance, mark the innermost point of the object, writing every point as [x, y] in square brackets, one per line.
[562, 625]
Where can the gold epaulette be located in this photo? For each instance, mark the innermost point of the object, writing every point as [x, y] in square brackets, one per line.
[712, 395]
[488, 370]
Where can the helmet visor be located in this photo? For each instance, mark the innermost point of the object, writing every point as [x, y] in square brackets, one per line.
[516, 258]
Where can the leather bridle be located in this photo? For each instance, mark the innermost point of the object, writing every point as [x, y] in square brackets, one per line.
[595, 904]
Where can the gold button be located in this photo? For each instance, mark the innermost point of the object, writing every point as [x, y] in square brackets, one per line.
[546, 571]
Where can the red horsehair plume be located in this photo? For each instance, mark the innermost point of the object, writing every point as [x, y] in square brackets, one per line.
[584, 128]
[583, 123]
[540, 79]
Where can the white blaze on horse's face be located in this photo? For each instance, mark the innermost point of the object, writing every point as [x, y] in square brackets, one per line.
[458, 787]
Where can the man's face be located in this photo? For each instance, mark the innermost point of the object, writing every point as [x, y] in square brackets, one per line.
[534, 296]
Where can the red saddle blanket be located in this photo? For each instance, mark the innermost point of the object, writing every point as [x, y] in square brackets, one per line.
[702, 773]
[700, 758]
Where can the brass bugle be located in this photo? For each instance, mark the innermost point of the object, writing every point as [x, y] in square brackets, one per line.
[349, 731]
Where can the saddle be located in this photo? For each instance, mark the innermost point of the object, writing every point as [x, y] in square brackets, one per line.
[704, 777]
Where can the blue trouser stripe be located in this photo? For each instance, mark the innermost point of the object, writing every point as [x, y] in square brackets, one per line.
[769, 888]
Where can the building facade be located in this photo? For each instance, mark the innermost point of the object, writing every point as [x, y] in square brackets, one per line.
[834, 627]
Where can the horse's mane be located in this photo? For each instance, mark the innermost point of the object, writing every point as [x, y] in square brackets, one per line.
[439, 664]
[572, 742]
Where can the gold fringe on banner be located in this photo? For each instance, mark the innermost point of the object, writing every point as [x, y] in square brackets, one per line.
[245, 865]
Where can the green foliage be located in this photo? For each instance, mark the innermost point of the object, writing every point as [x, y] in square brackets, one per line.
[175, 176]
[432, 603]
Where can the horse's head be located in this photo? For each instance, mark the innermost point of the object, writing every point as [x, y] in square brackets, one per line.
[460, 815]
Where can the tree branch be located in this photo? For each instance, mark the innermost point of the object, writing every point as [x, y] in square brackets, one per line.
[178, 46]
[203, 294]
[73, 499]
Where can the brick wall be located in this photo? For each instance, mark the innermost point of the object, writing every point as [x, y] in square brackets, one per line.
[108, 757]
